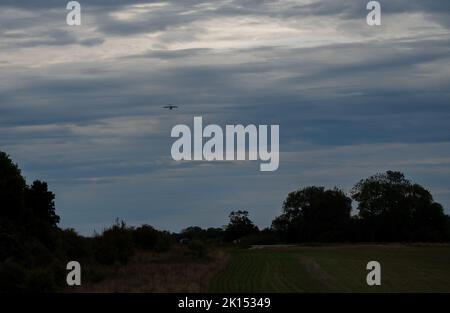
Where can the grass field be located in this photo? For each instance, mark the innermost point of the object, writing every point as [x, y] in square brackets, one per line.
[335, 269]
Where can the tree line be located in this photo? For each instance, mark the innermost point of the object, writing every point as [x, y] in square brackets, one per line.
[389, 208]
[385, 207]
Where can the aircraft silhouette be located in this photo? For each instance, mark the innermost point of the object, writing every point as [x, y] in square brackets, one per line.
[170, 107]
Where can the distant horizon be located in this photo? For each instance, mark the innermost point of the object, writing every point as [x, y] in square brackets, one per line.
[106, 225]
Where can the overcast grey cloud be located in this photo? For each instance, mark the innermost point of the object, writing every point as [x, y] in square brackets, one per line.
[80, 107]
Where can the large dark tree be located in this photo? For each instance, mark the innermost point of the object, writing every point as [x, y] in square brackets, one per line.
[394, 209]
[239, 226]
[12, 190]
[24, 210]
[41, 202]
[41, 219]
[314, 214]
[22, 204]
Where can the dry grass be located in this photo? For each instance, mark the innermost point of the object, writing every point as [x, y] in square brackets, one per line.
[173, 271]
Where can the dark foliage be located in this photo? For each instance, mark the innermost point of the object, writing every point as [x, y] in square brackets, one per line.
[146, 237]
[211, 235]
[239, 226]
[165, 241]
[28, 232]
[392, 208]
[314, 214]
[114, 245]
[266, 236]
[12, 191]
[199, 248]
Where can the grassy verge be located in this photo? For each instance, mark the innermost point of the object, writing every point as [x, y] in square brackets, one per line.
[178, 270]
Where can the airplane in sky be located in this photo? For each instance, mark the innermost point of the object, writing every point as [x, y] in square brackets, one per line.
[171, 107]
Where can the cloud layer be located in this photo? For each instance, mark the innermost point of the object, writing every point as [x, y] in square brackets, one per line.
[81, 106]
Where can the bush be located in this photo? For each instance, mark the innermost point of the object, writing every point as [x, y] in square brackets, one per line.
[40, 280]
[71, 246]
[37, 253]
[198, 248]
[146, 237]
[10, 240]
[239, 226]
[12, 276]
[165, 241]
[261, 238]
[114, 245]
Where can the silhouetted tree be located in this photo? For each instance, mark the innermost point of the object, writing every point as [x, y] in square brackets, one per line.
[239, 226]
[28, 231]
[29, 208]
[114, 245]
[12, 190]
[145, 237]
[193, 232]
[215, 233]
[42, 203]
[394, 209]
[314, 214]
[210, 235]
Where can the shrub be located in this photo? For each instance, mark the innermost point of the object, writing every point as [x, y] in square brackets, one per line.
[199, 248]
[114, 245]
[40, 280]
[71, 246]
[165, 241]
[12, 276]
[37, 253]
[146, 237]
[261, 238]
[10, 240]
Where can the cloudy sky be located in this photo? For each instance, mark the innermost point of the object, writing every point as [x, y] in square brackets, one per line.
[81, 107]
